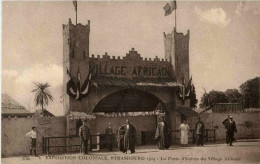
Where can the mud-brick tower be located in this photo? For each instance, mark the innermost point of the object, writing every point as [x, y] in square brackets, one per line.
[177, 51]
[75, 58]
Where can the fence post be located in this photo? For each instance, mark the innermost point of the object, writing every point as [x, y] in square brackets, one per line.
[214, 135]
[43, 145]
[90, 143]
[47, 146]
[207, 134]
[111, 142]
[193, 136]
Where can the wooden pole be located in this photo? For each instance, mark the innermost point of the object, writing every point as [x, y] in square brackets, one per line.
[175, 20]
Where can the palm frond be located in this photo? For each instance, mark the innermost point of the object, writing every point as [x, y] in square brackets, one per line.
[42, 94]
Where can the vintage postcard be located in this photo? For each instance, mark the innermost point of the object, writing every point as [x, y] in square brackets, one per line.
[130, 82]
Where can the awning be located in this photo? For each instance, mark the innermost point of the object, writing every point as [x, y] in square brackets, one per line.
[83, 115]
[186, 111]
[167, 84]
[80, 115]
[138, 82]
[123, 114]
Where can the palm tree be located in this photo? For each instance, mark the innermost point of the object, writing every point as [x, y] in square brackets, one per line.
[42, 94]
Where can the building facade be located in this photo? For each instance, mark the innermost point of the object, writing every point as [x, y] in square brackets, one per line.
[123, 85]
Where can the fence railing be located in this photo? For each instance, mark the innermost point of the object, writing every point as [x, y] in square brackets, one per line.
[192, 137]
[47, 143]
[99, 140]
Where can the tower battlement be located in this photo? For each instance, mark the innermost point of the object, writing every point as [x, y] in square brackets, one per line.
[132, 55]
[130, 66]
[71, 26]
[177, 52]
[75, 41]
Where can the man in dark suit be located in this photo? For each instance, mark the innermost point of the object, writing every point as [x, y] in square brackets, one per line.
[127, 135]
[109, 137]
[199, 130]
[231, 129]
[84, 133]
[109, 130]
[225, 124]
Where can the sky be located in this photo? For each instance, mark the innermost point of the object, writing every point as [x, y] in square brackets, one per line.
[224, 40]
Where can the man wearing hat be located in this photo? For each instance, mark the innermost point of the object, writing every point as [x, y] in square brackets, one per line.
[109, 137]
[199, 129]
[109, 130]
[127, 137]
[225, 124]
[84, 133]
[230, 129]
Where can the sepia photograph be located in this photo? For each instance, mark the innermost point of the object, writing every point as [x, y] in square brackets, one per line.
[118, 81]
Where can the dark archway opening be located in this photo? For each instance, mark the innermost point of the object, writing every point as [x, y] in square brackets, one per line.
[129, 100]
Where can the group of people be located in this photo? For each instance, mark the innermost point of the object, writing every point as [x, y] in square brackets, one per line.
[163, 134]
[127, 135]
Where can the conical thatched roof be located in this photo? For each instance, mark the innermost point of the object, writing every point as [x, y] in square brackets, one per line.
[11, 107]
[44, 113]
[9, 102]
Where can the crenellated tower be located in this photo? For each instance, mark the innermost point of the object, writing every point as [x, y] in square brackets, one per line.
[176, 47]
[75, 57]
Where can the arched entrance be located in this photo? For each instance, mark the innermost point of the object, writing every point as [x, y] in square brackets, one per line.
[139, 106]
[128, 100]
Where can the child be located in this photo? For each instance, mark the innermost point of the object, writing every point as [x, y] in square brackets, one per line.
[32, 135]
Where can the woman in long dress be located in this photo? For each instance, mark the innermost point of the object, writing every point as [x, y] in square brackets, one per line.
[184, 128]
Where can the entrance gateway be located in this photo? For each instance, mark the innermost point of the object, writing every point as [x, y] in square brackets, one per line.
[105, 89]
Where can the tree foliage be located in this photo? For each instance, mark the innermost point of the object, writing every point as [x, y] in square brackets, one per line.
[250, 92]
[213, 97]
[42, 94]
[233, 96]
[193, 99]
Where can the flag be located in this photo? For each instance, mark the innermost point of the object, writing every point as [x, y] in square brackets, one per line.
[84, 90]
[75, 5]
[185, 90]
[169, 7]
[78, 86]
[189, 86]
[71, 86]
[74, 90]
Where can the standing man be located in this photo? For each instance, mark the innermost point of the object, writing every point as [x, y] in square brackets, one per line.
[84, 133]
[109, 137]
[231, 128]
[162, 134]
[127, 135]
[199, 129]
[225, 124]
[109, 130]
[32, 135]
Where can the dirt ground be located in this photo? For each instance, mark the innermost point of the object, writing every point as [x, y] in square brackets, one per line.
[241, 152]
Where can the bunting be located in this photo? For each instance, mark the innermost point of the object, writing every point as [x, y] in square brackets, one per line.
[74, 90]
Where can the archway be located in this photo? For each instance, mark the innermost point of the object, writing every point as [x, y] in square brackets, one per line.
[143, 106]
[129, 100]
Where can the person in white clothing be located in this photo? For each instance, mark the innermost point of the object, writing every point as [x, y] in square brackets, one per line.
[184, 128]
[32, 135]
